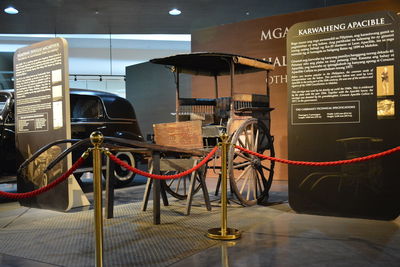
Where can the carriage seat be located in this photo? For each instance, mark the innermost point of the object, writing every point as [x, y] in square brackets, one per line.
[222, 109]
[247, 104]
[196, 101]
[197, 109]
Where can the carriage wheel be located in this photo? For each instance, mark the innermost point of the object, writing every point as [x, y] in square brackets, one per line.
[179, 188]
[250, 176]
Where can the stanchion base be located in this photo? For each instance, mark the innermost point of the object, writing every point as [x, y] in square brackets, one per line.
[231, 234]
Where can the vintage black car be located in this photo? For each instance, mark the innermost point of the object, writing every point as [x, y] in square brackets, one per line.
[90, 111]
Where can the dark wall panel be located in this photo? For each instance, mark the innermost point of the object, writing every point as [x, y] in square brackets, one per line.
[343, 98]
[151, 90]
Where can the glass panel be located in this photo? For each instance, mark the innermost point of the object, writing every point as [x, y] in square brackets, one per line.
[120, 108]
[87, 107]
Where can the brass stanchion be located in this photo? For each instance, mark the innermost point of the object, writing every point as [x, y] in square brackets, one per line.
[224, 233]
[97, 139]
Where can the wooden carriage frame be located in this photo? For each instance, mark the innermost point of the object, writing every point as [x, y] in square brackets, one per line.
[244, 117]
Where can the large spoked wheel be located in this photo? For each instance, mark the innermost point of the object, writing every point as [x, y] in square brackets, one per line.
[179, 188]
[251, 177]
[124, 176]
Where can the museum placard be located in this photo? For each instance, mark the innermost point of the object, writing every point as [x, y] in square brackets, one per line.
[342, 83]
[42, 116]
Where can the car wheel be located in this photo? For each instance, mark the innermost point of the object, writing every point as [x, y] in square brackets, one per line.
[124, 176]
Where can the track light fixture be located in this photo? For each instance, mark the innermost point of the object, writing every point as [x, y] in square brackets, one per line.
[175, 12]
[11, 10]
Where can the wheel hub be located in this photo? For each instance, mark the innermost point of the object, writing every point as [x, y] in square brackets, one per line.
[255, 162]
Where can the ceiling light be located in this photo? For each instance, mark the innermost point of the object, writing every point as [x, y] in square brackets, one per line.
[11, 10]
[174, 12]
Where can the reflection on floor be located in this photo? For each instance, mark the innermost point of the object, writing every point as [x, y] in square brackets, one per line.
[272, 235]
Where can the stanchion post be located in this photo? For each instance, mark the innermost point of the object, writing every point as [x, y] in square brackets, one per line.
[224, 233]
[97, 139]
[156, 188]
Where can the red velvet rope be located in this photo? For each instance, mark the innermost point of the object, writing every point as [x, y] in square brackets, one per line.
[328, 163]
[47, 187]
[163, 177]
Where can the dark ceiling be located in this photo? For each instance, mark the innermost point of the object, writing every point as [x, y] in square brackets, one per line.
[141, 16]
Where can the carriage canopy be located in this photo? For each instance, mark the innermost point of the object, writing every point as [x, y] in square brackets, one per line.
[213, 64]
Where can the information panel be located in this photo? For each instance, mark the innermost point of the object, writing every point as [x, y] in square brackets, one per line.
[42, 116]
[343, 102]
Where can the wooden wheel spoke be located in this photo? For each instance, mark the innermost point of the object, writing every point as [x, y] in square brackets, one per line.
[244, 184]
[242, 174]
[257, 189]
[262, 176]
[241, 165]
[177, 185]
[265, 168]
[241, 143]
[254, 184]
[179, 188]
[252, 137]
[184, 185]
[260, 185]
[262, 159]
[260, 170]
[249, 187]
[247, 141]
[242, 155]
[256, 141]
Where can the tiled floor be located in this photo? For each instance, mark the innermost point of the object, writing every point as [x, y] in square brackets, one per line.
[271, 236]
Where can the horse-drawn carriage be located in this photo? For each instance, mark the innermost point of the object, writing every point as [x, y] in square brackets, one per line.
[245, 117]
